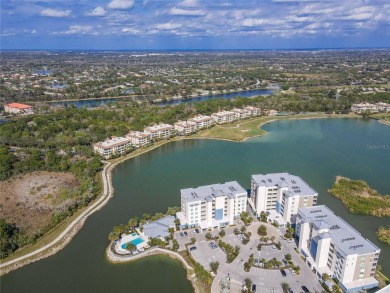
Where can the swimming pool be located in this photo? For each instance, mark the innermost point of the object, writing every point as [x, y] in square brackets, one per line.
[135, 241]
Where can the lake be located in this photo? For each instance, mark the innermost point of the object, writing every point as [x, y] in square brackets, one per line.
[91, 103]
[317, 150]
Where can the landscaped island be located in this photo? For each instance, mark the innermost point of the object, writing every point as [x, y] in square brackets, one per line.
[359, 198]
[383, 234]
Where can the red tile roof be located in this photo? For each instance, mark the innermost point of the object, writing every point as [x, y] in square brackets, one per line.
[19, 106]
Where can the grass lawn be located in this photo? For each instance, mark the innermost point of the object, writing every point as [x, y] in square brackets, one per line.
[241, 130]
[382, 116]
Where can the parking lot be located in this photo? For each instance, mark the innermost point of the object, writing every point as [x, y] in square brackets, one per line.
[266, 280]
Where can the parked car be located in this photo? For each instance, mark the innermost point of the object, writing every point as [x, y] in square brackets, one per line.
[290, 291]
[194, 232]
[290, 240]
[181, 234]
[197, 231]
[253, 288]
[273, 247]
[284, 262]
[304, 288]
[185, 233]
[283, 273]
[193, 248]
[292, 271]
[256, 261]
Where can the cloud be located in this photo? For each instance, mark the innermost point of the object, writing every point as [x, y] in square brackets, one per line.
[80, 30]
[186, 12]
[168, 26]
[55, 13]
[98, 11]
[120, 4]
[252, 22]
[189, 3]
[130, 31]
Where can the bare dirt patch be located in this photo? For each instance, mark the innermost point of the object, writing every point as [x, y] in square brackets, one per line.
[29, 201]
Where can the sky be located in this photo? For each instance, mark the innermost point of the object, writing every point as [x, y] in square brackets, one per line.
[194, 24]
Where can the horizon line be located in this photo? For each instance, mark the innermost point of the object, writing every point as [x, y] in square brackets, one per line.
[203, 49]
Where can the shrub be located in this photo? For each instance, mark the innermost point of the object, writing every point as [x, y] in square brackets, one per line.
[262, 230]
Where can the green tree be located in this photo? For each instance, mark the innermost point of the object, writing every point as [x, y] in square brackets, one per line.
[132, 223]
[172, 211]
[366, 113]
[214, 266]
[113, 236]
[177, 223]
[222, 233]
[175, 244]
[262, 230]
[130, 246]
[285, 287]
[248, 282]
[208, 235]
[288, 257]
[6, 163]
[247, 266]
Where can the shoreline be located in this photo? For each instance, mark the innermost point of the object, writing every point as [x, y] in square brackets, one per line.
[108, 192]
[153, 101]
[115, 259]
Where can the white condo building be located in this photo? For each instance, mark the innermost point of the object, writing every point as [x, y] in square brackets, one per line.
[254, 111]
[210, 206]
[139, 139]
[202, 121]
[222, 117]
[383, 107]
[112, 146]
[185, 127]
[160, 131]
[332, 246]
[360, 108]
[280, 195]
[241, 113]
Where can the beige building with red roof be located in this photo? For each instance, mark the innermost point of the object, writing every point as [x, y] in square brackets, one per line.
[17, 108]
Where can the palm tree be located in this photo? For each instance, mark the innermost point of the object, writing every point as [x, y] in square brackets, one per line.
[132, 223]
[285, 287]
[130, 246]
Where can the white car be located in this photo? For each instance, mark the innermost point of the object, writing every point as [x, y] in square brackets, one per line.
[290, 240]
[273, 247]
[292, 271]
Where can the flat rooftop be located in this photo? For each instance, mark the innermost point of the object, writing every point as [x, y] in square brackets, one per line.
[344, 236]
[115, 141]
[208, 192]
[158, 127]
[295, 184]
[200, 118]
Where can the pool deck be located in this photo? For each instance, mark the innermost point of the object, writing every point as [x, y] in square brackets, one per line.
[130, 238]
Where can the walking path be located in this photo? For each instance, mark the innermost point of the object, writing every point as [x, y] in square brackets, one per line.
[66, 235]
[152, 251]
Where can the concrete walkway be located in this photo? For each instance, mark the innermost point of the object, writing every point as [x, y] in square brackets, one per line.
[152, 251]
[77, 223]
